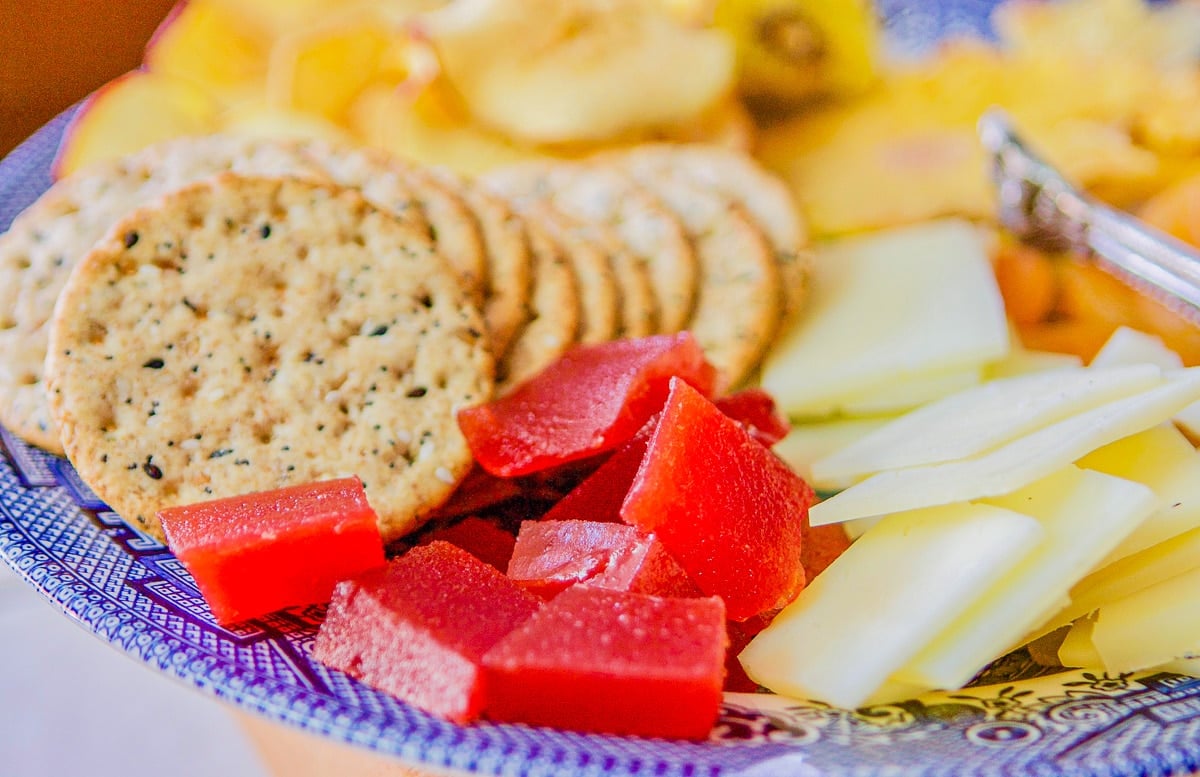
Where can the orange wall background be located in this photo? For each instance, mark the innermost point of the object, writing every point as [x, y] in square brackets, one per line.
[54, 52]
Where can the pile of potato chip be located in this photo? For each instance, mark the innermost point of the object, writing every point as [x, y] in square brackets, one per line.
[472, 84]
[468, 84]
[1106, 90]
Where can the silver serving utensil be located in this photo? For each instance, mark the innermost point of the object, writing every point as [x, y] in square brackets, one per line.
[1040, 207]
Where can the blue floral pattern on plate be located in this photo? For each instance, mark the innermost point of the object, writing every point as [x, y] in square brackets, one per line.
[131, 592]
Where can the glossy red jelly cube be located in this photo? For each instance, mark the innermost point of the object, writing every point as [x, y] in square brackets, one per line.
[591, 400]
[478, 491]
[253, 554]
[553, 555]
[740, 634]
[822, 546]
[755, 410]
[419, 627]
[598, 660]
[600, 495]
[728, 510]
[483, 539]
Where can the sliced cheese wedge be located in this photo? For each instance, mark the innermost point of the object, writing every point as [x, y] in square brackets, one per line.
[981, 418]
[1084, 515]
[1021, 361]
[904, 394]
[1014, 464]
[1077, 649]
[1185, 666]
[871, 610]
[1129, 346]
[1125, 577]
[808, 442]
[895, 305]
[1150, 627]
[1162, 458]
[894, 690]
[1126, 346]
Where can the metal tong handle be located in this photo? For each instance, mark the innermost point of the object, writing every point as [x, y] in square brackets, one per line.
[1039, 206]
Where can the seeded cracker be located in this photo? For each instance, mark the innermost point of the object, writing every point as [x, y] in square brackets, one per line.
[376, 174]
[243, 334]
[508, 259]
[414, 196]
[657, 258]
[595, 283]
[740, 179]
[455, 230]
[534, 185]
[51, 236]
[737, 307]
[553, 316]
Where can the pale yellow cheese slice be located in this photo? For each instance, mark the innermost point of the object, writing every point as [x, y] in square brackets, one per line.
[1077, 649]
[1014, 464]
[807, 442]
[1084, 514]
[1126, 346]
[1150, 627]
[1163, 459]
[982, 418]
[882, 600]
[892, 306]
[904, 394]
[1125, 577]
[1021, 361]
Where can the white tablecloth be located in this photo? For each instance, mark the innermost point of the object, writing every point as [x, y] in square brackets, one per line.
[72, 706]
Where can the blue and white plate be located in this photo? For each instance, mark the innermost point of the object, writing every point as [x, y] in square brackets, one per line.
[131, 592]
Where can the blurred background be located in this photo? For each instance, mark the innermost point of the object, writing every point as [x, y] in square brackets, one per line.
[54, 52]
[57, 680]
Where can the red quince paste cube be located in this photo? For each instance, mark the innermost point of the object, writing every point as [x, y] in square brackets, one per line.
[256, 553]
[822, 546]
[589, 401]
[755, 410]
[478, 491]
[418, 628]
[552, 555]
[616, 662]
[600, 495]
[728, 510]
[740, 634]
[483, 539]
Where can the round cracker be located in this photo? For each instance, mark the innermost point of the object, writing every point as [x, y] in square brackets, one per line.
[595, 281]
[764, 197]
[455, 231]
[381, 178]
[508, 259]
[413, 194]
[244, 334]
[651, 234]
[637, 307]
[553, 316]
[737, 307]
[533, 187]
[46, 241]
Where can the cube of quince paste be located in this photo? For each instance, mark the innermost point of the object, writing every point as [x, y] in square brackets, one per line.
[550, 556]
[418, 628]
[609, 661]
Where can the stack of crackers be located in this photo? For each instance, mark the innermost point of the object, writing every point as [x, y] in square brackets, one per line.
[221, 315]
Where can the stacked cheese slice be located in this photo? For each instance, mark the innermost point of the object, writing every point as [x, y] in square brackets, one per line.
[996, 514]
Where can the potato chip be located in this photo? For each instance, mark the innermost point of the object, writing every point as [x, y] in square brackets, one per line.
[584, 70]
[320, 69]
[210, 44]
